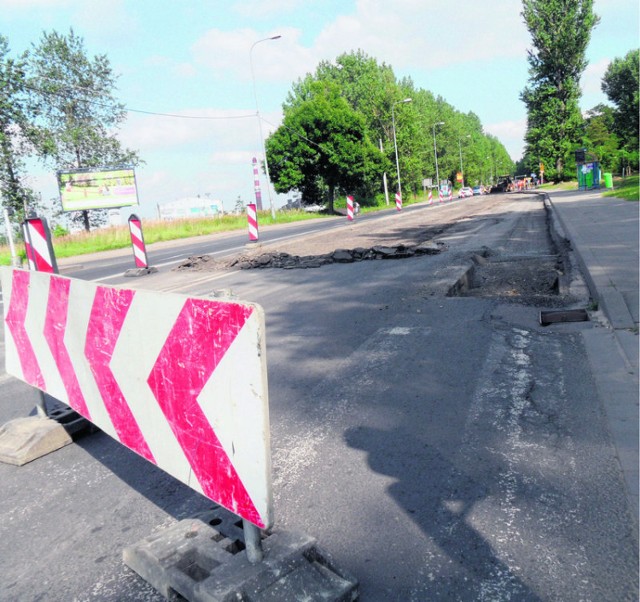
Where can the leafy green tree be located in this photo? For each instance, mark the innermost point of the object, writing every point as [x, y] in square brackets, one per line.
[73, 97]
[621, 85]
[560, 31]
[15, 133]
[322, 147]
[599, 136]
[372, 92]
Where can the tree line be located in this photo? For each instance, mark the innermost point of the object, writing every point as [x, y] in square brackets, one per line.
[560, 31]
[57, 104]
[337, 135]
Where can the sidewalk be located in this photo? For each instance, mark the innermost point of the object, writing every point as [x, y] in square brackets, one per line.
[604, 234]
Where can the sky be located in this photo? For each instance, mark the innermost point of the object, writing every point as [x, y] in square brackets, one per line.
[193, 78]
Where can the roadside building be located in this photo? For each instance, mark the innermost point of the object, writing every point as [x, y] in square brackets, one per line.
[190, 207]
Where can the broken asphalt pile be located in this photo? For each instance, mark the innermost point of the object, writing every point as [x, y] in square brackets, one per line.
[276, 259]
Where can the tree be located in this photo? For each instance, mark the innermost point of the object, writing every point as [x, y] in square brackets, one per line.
[72, 95]
[621, 84]
[322, 146]
[599, 136]
[15, 133]
[560, 31]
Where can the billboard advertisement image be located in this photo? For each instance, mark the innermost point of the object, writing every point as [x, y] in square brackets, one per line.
[97, 188]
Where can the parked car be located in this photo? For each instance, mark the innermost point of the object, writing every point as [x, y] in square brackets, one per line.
[478, 190]
[465, 192]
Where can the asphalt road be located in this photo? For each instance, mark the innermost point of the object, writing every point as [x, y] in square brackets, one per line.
[439, 447]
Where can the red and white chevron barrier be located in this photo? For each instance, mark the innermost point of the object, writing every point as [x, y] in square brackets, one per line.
[137, 242]
[38, 247]
[350, 208]
[398, 201]
[252, 221]
[182, 381]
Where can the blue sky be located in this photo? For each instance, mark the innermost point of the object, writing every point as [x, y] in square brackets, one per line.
[192, 58]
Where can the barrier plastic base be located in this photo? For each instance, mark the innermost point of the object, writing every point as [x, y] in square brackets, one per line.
[140, 271]
[25, 439]
[202, 559]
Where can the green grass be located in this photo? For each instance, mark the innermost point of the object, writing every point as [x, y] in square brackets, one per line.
[550, 186]
[109, 239]
[625, 188]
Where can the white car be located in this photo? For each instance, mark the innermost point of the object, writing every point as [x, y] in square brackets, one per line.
[465, 192]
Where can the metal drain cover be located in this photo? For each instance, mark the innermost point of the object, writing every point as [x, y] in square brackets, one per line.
[563, 315]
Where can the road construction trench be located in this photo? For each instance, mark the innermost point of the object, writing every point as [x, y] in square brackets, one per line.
[525, 278]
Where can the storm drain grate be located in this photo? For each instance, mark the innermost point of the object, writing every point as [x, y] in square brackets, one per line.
[563, 315]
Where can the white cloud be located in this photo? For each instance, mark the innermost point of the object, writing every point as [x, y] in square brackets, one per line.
[26, 5]
[158, 132]
[229, 53]
[410, 34]
[178, 69]
[263, 8]
[511, 134]
[592, 77]
[233, 157]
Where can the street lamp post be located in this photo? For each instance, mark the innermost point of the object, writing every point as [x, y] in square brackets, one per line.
[255, 95]
[460, 149]
[395, 143]
[435, 153]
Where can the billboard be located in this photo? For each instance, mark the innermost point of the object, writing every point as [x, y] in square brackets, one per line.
[97, 188]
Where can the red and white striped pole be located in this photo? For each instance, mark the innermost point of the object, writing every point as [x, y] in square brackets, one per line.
[41, 258]
[37, 242]
[256, 184]
[440, 197]
[398, 201]
[430, 197]
[252, 220]
[451, 193]
[137, 242]
[350, 208]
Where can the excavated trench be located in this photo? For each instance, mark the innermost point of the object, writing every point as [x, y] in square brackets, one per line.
[531, 279]
[530, 265]
[536, 272]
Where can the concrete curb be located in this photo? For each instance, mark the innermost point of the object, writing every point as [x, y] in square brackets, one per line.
[613, 353]
[612, 302]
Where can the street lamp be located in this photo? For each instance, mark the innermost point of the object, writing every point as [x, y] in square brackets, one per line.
[255, 95]
[395, 143]
[435, 153]
[460, 149]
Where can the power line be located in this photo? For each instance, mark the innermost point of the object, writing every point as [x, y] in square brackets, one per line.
[125, 108]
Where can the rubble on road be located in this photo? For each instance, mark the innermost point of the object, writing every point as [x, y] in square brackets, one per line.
[278, 259]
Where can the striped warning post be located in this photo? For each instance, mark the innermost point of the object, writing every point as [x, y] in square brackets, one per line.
[256, 184]
[430, 197]
[398, 201]
[440, 197]
[181, 381]
[450, 193]
[252, 221]
[38, 247]
[350, 208]
[137, 242]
